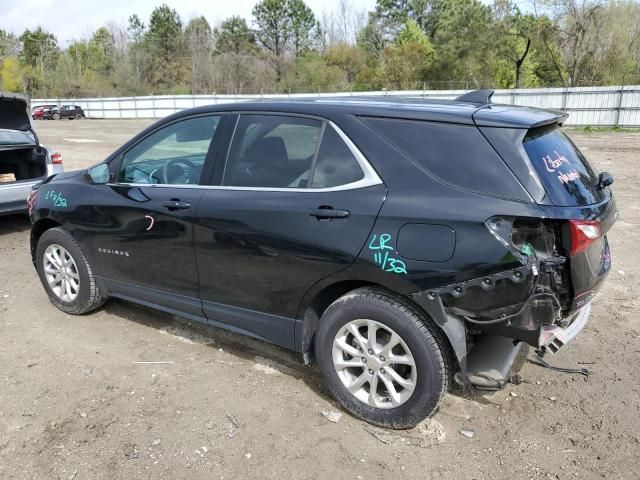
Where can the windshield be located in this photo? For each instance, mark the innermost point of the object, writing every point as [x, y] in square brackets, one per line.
[563, 170]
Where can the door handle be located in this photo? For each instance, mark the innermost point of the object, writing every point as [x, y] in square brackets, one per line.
[327, 213]
[175, 204]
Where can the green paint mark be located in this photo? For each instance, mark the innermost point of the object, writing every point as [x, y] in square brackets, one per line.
[56, 198]
[527, 250]
[380, 247]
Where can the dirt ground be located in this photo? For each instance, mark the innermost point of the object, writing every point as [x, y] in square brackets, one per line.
[76, 403]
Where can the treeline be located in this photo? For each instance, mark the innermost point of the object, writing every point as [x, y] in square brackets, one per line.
[285, 47]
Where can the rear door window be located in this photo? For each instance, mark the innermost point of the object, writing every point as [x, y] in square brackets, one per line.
[278, 151]
[563, 170]
[272, 151]
[335, 164]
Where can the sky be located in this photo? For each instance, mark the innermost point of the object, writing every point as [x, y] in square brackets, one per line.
[76, 19]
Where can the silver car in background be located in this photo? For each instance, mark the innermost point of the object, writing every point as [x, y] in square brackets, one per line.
[23, 160]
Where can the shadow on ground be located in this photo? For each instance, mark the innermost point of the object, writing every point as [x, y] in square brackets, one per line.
[241, 346]
[14, 224]
[247, 348]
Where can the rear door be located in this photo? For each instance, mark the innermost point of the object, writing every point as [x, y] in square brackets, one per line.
[295, 201]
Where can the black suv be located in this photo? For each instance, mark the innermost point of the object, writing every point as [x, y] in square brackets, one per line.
[399, 243]
[70, 112]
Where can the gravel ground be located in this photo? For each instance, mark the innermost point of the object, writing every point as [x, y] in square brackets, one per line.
[76, 403]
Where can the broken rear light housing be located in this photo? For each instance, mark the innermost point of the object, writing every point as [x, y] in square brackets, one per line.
[583, 234]
[526, 238]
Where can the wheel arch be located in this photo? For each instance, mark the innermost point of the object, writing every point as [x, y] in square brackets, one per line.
[37, 230]
[315, 304]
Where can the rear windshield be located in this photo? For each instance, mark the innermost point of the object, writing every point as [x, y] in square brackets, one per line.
[13, 137]
[565, 173]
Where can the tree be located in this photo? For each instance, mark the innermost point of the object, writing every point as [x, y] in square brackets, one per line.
[350, 59]
[135, 29]
[9, 45]
[164, 41]
[137, 52]
[39, 54]
[372, 40]
[283, 26]
[199, 38]
[516, 32]
[393, 14]
[233, 35]
[409, 59]
[465, 46]
[304, 29]
[235, 54]
[342, 26]
[38, 47]
[575, 29]
[10, 75]
[312, 72]
[274, 29]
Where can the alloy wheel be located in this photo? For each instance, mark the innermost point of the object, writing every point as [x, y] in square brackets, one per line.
[374, 363]
[61, 273]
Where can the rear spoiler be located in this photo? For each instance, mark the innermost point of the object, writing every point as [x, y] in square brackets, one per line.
[509, 116]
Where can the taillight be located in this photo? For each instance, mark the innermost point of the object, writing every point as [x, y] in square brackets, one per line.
[56, 158]
[583, 234]
[525, 238]
[31, 200]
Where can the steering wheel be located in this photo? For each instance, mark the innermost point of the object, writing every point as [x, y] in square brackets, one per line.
[164, 172]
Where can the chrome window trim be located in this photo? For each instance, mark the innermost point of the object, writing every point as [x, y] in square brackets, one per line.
[370, 178]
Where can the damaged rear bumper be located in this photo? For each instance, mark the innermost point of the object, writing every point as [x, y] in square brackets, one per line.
[554, 337]
[486, 354]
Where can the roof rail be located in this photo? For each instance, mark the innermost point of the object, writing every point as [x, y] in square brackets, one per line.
[477, 96]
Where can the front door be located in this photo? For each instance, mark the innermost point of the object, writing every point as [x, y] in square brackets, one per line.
[143, 234]
[296, 204]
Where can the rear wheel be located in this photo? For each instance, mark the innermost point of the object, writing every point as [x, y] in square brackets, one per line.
[66, 274]
[383, 359]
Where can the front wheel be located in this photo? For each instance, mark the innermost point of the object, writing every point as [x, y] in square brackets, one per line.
[56, 116]
[66, 274]
[382, 358]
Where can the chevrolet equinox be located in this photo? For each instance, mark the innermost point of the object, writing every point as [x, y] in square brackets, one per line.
[400, 244]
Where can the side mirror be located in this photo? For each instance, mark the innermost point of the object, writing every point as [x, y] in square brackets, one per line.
[604, 180]
[99, 174]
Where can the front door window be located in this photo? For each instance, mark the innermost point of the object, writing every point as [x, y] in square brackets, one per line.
[173, 155]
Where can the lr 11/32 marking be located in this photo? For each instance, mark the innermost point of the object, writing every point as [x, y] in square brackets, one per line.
[380, 245]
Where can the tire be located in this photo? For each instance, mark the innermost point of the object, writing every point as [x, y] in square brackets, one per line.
[79, 116]
[56, 116]
[88, 295]
[390, 314]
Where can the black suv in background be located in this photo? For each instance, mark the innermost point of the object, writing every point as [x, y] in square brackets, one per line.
[71, 112]
[396, 242]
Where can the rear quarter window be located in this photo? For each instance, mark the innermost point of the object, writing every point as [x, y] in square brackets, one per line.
[456, 154]
[564, 171]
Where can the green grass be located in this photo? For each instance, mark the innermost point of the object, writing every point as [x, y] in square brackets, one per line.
[616, 129]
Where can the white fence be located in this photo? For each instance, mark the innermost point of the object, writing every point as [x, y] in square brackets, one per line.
[595, 106]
